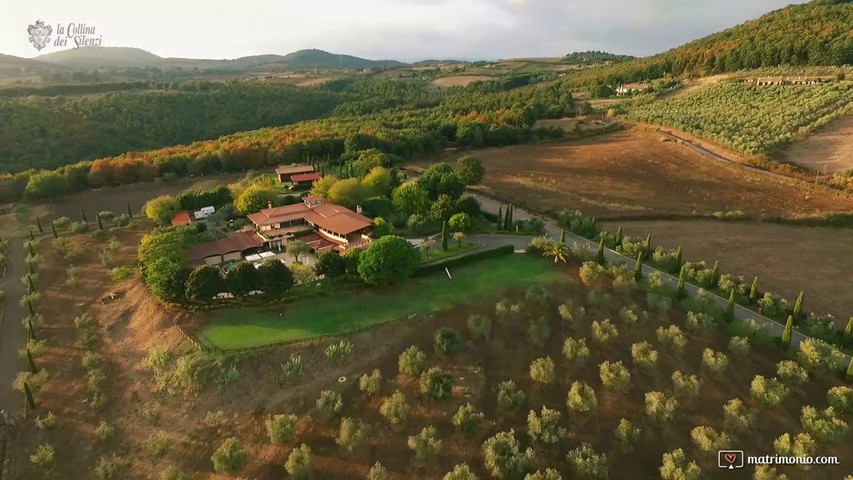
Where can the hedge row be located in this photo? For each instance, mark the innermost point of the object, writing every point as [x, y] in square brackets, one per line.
[476, 255]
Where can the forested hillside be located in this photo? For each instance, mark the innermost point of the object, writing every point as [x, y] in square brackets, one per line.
[594, 57]
[815, 33]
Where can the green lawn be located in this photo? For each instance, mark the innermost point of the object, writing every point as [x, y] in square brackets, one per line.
[250, 327]
[453, 248]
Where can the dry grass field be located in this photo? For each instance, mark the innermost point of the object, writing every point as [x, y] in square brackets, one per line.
[634, 172]
[828, 150]
[786, 259]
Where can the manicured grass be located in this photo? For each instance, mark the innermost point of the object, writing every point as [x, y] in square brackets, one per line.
[251, 327]
[453, 248]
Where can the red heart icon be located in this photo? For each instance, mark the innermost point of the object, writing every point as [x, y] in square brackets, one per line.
[731, 457]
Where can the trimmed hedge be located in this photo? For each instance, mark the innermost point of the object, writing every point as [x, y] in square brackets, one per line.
[476, 255]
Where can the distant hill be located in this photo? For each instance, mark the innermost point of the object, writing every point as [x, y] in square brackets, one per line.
[810, 34]
[124, 57]
[595, 57]
[11, 66]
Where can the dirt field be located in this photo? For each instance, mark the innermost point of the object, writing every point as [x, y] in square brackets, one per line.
[786, 259]
[634, 172]
[828, 150]
[133, 323]
[459, 81]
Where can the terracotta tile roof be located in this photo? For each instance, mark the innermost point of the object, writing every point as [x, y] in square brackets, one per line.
[305, 177]
[181, 218]
[330, 216]
[294, 169]
[269, 216]
[320, 244]
[237, 242]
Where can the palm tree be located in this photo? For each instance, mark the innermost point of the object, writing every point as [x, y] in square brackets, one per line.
[556, 250]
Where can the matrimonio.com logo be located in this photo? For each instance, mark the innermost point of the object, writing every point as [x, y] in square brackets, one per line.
[734, 459]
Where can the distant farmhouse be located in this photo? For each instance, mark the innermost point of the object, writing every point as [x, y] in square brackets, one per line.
[287, 174]
[630, 88]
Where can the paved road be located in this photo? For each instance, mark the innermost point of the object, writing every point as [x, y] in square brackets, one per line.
[553, 230]
[12, 335]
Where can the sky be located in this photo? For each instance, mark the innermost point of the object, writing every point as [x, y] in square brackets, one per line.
[406, 30]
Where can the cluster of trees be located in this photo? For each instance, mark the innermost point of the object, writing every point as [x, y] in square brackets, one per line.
[752, 119]
[594, 57]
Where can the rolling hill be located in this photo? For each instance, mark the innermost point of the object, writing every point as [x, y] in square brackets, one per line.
[124, 57]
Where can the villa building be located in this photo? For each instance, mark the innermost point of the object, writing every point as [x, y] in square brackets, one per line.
[335, 228]
[287, 174]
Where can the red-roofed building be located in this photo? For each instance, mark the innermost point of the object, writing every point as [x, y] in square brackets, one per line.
[336, 228]
[304, 178]
[229, 249]
[286, 174]
[181, 218]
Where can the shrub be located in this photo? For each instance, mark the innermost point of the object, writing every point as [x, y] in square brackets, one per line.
[538, 296]
[698, 323]
[593, 275]
[666, 260]
[281, 428]
[732, 283]
[545, 427]
[378, 472]
[801, 444]
[766, 472]
[109, 468]
[460, 472]
[586, 463]
[756, 331]
[659, 302]
[394, 408]
[707, 439]
[624, 286]
[507, 311]
[158, 444]
[448, 341]
[823, 425]
[820, 357]
[79, 227]
[604, 332]
[598, 298]
[480, 327]
[699, 274]
[352, 434]
[300, 462]
[660, 407]
[542, 371]
[672, 338]
[772, 306]
[628, 434]
[43, 456]
[629, 316]
[411, 361]
[768, 391]
[581, 252]
[230, 456]
[644, 355]
[468, 420]
[436, 384]
[173, 473]
[339, 351]
[737, 416]
[330, 403]
[426, 444]
[538, 331]
[370, 384]
[503, 457]
[739, 346]
[614, 375]
[46, 423]
[685, 386]
[294, 369]
[94, 379]
[581, 400]
[675, 466]
[575, 350]
[103, 431]
[840, 399]
[715, 362]
[510, 397]
[791, 373]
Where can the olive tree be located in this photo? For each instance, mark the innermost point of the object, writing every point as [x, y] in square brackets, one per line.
[280, 428]
[614, 375]
[460, 472]
[230, 456]
[480, 327]
[545, 426]
[300, 462]
[766, 472]
[436, 384]
[676, 466]
[582, 401]
[547, 474]
[468, 420]
[510, 397]
[588, 464]
[628, 434]
[575, 350]
[352, 434]
[411, 361]
[330, 404]
[644, 355]
[798, 445]
[685, 387]
[707, 439]
[715, 362]
[604, 332]
[698, 323]
[378, 472]
[823, 425]
[660, 407]
[739, 346]
[791, 372]
[503, 457]
[767, 391]
[448, 341]
[737, 416]
[394, 408]
[841, 399]
[820, 357]
[426, 444]
[672, 338]
[542, 371]
[371, 383]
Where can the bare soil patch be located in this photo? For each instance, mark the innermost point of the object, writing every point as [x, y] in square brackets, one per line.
[828, 150]
[460, 80]
[786, 259]
[636, 172]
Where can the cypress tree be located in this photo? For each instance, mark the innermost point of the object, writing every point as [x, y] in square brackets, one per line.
[29, 394]
[30, 268]
[681, 292]
[31, 363]
[129, 211]
[31, 332]
[848, 332]
[32, 237]
[798, 308]
[619, 235]
[849, 374]
[600, 257]
[648, 246]
[500, 217]
[444, 235]
[753, 291]
[511, 215]
[30, 307]
[30, 285]
[679, 256]
[638, 267]
[562, 236]
[507, 219]
[715, 281]
[100, 224]
[30, 249]
[53, 228]
[786, 334]
[38, 224]
[729, 312]
[83, 215]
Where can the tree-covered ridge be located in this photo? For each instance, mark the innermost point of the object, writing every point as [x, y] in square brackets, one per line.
[815, 33]
[595, 57]
[749, 118]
